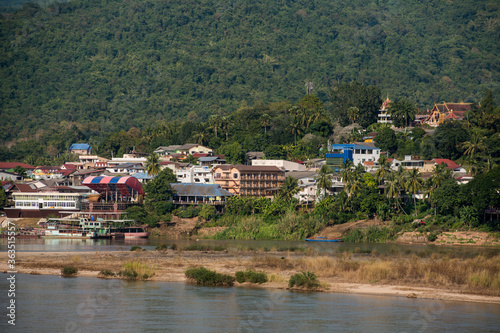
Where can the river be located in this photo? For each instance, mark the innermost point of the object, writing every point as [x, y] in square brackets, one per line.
[47, 303]
[78, 245]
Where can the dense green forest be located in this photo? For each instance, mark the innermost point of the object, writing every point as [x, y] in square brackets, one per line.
[82, 70]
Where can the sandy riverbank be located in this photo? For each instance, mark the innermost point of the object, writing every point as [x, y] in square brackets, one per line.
[170, 266]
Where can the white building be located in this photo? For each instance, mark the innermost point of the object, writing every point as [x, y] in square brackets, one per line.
[195, 174]
[307, 185]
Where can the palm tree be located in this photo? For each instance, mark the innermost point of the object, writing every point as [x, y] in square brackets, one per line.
[265, 121]
[295, 127]
[475, 145]
[289, 188]
[402, 111]
[414, 184]
[215, 122]
[346, 173]
[384, 169]
[153, 165]
[201, 136]
[353, 114]
[226, 124]
[392, 189]
[323, 180]
[441, 173]
[353, 187]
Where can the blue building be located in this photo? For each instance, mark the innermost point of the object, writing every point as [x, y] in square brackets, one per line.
[353, 152]
[80, 149]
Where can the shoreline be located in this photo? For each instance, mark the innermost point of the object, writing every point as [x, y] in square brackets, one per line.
[170, 266]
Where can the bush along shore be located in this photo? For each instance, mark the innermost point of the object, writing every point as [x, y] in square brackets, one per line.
[426, 274]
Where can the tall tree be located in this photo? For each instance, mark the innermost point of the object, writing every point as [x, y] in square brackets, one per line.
[414, 184]
[354, 94]
[289, 188]
[323, 180]
[153, 164]
[402, 112]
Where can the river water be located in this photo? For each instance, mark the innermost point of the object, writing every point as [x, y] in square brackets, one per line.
[55, 304]
[77, 245]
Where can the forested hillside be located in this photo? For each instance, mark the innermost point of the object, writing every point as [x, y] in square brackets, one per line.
[123, 63]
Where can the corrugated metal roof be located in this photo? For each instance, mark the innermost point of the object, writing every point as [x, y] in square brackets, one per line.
[79, 146]
[208, 159]
[200, 190]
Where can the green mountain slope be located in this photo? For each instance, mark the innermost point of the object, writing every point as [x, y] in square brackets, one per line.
[133, 63]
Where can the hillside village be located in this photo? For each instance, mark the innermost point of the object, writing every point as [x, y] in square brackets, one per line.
[104, 187]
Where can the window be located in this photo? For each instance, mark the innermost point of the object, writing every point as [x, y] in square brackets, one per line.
[235, 176]
[217, 176]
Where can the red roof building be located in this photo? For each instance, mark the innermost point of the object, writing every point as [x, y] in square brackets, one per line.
[449, 163]
[12, 165]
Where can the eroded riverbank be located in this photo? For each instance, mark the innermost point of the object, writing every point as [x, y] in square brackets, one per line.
[476, 280]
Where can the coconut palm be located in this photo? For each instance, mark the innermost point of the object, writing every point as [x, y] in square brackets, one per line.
[265, 121]
[295, 128]
[353, 114]
[441, 173]
[383, 170]
[215, 122]
[289, 188]
[413, 184]
[323, 180]
[475, 145]
[153, 165]
[346, 173]
[353, 187]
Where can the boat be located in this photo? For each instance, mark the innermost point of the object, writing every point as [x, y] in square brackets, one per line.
[323, 239]
[65, 228]
[76, 228]
[134, 232]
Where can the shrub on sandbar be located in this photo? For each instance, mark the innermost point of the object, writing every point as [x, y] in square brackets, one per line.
[206, 277]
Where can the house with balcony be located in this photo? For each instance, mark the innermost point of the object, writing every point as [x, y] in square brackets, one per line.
[249, 180]
[195, 174]
[408, 163]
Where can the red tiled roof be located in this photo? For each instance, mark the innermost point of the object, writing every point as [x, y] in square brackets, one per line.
[449, 163]
[200, 155]
[48, 168]
[3, 182]
[25, 188]
[11, 165]
[69, 166]
[67, 172]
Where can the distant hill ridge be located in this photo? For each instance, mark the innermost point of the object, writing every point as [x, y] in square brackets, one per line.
[130, 63]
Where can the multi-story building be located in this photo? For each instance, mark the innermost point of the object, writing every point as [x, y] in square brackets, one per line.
[195, 174]
[249, 180]
[353, 152]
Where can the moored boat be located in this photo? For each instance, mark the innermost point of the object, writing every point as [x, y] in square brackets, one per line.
[323, 239]
[134, 232]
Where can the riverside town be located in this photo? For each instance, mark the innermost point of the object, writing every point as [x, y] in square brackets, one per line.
[250, 166]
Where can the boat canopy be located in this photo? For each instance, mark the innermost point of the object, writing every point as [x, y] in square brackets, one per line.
[126, 186]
